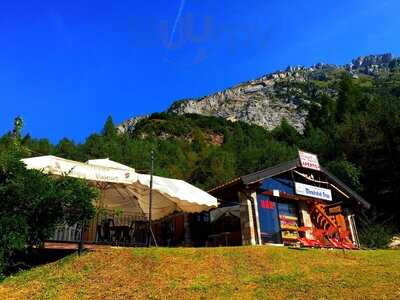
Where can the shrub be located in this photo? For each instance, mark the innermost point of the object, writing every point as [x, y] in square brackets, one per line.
[374, 230]
[32, 204]
[376, 236]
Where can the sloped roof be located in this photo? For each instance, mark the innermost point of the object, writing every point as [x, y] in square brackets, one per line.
[291, 165]
[356, 196]
[270, 172]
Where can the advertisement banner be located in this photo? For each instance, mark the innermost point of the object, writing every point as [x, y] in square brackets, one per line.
[313, 191]
[309, 161]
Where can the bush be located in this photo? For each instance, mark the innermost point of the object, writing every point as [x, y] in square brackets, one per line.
[32, 204]
[376, 236]
[374, 231]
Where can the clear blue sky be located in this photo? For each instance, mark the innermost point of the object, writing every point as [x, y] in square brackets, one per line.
[66, 65]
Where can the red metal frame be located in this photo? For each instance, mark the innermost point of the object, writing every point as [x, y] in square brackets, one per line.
[313, 243]
[326, 238]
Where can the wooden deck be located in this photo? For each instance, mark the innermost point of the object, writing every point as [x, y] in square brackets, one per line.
[74, 246]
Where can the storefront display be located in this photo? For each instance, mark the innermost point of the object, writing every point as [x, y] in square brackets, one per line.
[288, 217]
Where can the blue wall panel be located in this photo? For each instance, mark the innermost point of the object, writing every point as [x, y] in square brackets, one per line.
[267, 210]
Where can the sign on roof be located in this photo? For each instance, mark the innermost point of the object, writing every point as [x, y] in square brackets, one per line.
[309, 161]
[313, 191]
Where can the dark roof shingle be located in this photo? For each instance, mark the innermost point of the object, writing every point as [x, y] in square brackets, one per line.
[291, 165]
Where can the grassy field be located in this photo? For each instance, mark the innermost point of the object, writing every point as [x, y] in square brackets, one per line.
[219, 273]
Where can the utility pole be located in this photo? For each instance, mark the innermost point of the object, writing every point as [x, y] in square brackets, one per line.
[150, 231]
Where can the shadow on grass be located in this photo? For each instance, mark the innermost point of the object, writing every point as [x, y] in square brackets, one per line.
[37, 257]
[299, 249]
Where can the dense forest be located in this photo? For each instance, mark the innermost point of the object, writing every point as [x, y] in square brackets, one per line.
[355, 131]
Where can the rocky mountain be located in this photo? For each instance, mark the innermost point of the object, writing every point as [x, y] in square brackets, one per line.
[283, 94]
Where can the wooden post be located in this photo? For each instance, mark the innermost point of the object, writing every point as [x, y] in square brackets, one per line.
[186, 226]
[80, 247]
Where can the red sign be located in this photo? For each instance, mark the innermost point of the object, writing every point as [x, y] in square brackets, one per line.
[309, 161]
[267, 204]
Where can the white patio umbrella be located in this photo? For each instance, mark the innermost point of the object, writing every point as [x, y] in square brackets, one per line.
[169, 195]
[125, 189]
[59, 166]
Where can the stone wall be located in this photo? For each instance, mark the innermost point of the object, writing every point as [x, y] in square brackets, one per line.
[249, 222]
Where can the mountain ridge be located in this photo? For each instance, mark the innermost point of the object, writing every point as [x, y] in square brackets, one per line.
[283, 94]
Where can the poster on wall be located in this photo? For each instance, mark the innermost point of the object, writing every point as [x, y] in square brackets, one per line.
[309, 160]
[313, 191]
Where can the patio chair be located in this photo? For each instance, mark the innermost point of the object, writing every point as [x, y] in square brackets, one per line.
[104, 230]
[129, 233]
[99, 233]
[138, 232]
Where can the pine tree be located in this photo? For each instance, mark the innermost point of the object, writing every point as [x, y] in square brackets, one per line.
[346, 102]
[109, 130]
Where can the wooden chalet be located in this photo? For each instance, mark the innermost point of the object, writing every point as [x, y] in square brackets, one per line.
[270, 205]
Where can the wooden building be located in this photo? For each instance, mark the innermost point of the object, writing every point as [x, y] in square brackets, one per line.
[273, 203]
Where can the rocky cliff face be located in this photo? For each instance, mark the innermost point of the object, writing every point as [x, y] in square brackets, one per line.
[269, 99]
[129, 125]
[256, 102]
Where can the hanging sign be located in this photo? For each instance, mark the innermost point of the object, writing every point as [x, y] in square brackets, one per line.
[309, 160]
[313, 191]
[335, 210]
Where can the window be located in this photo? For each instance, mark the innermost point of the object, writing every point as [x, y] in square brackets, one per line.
[278, 218]
[289, 221]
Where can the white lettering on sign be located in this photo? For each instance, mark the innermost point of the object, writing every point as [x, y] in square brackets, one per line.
[309, 161]
[91, 172]
[313, 191]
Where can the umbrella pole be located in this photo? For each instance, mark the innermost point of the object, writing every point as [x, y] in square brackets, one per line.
[150, 231]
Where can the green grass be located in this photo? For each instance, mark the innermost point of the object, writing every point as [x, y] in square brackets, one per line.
[212, 273]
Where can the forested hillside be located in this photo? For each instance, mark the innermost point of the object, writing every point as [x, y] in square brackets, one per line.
[353, 125]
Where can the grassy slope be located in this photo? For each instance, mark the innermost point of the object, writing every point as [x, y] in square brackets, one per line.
[222, 273]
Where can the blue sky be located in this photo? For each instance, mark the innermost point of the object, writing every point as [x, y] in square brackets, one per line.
[66, 65]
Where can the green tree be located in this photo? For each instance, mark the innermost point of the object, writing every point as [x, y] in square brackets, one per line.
[322, 113]
[33, 204]
[109, 131]
[347, 98]
[18, 124]
[66, 148]
[216, 168]
[286, 133]
[347, 172]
